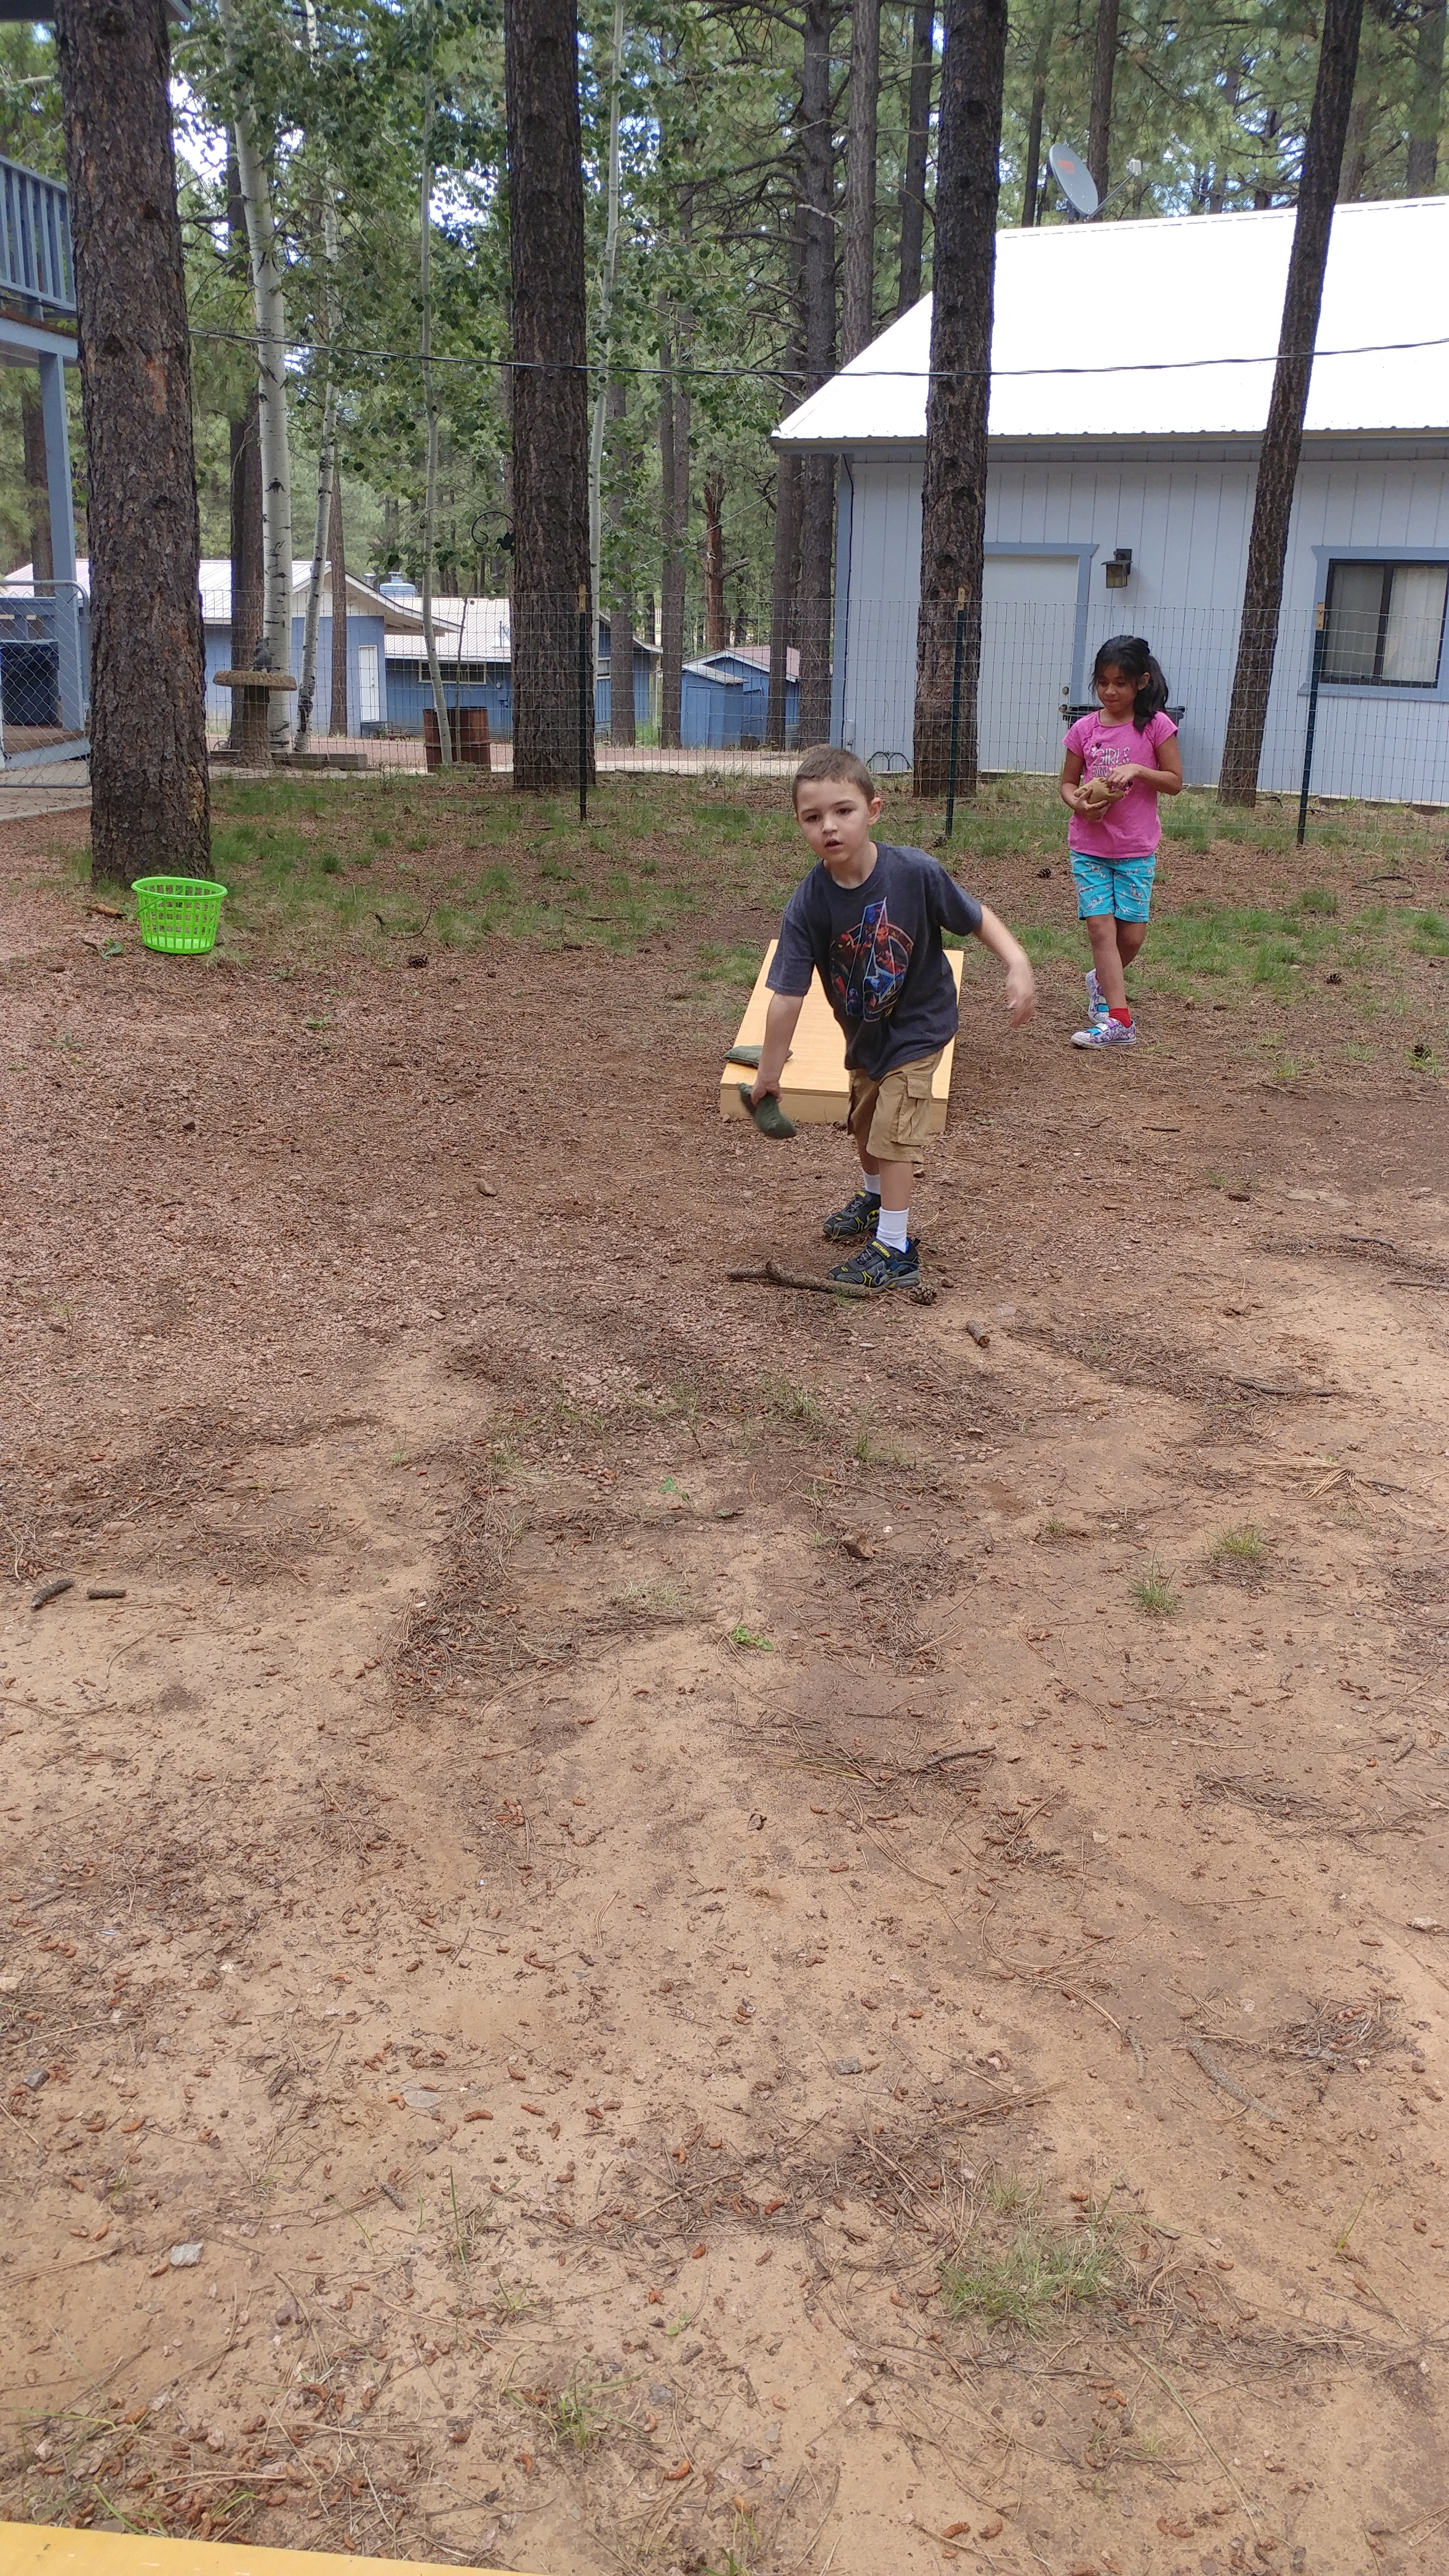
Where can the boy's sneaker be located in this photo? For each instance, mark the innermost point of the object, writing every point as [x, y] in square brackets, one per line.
[1105, 1033]
[1098, 1007]
[877, 1266]
[858, 1216]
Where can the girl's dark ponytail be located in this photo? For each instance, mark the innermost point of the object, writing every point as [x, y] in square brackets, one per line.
[1133, 654]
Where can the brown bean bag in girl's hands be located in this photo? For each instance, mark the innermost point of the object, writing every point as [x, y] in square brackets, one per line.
[1096, 795]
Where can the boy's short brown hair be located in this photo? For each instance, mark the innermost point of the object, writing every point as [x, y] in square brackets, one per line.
[826, 762]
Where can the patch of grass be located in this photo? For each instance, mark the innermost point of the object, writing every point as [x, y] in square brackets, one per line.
[1430, 935]
[737, 966]
[581, 2413]
[665, 1603]
[793, 1403]
[1239, 1549]
[514, 2299]
[1035, 2275]
[1153, 1593]
[741, 1635]
[1321, 901]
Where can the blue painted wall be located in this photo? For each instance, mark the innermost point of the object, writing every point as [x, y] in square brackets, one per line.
[361, 630]
[408, 694]
[716, 711]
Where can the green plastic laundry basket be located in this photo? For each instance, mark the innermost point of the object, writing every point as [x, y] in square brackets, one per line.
[179, 914]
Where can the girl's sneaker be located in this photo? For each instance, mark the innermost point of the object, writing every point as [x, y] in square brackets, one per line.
[1105, 1033]
[1097, 1004]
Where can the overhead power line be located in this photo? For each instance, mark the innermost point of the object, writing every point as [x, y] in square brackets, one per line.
[858, 375]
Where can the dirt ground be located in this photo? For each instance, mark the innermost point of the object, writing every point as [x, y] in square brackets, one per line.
[655, 1925]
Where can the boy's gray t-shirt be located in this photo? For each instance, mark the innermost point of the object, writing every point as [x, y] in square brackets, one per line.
[878, 950]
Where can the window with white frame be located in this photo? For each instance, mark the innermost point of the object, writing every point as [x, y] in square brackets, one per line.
[1385, 626]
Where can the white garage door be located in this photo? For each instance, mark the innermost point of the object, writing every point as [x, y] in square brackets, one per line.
[1028, 626]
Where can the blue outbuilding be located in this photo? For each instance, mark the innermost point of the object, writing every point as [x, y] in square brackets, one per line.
[724, 695]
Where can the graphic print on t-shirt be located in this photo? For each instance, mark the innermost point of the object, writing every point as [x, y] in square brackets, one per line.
[868, 965]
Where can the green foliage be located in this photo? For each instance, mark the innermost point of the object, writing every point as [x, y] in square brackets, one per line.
[1033, 2274]
[1154, 1594]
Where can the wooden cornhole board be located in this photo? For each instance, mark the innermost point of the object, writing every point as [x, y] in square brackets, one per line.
[49, 2549]
[815, 1087]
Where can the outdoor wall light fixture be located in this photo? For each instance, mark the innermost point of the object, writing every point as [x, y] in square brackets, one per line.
[1117, 568]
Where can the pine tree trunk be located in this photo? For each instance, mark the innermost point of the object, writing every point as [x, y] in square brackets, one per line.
[248, 734]
[716, 624]
[607, 286]
[1426, 102]
[1263, 197]
[248, 737]
[674, 483]
[857, 322]
[1283, 437]
[817, 473]
[1354, 167]
[430, 416]
[550, 390]
[37, 487]
[149, 803]
[1104, 72]
[273, 430]
[918, 144]
[337, 562]
[1031, 184]
[782, 580]
[623, 471]
[953, 496]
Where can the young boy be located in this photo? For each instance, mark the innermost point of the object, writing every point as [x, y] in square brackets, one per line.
[870, 918]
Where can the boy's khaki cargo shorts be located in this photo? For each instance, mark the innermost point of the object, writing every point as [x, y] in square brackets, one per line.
[888, 1119]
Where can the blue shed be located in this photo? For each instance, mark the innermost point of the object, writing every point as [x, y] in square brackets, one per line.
[724, 696]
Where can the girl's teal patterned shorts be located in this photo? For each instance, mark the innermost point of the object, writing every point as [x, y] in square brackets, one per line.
[1121, 887]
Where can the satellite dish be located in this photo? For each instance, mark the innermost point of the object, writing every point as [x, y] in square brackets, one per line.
[1074, 180]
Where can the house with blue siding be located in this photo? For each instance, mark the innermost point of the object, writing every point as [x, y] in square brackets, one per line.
[1119, 496]
[372, 622]
[475, 652]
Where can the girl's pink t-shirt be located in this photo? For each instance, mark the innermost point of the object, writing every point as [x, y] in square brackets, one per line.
[1131, 828]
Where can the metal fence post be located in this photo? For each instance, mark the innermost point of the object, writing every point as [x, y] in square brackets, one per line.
[585, 664]
[1320, 637]
[955, 710]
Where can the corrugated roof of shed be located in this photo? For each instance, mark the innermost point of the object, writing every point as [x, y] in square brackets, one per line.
[1202, 289]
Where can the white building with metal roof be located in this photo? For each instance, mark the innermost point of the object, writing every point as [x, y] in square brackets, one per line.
[1132, 365]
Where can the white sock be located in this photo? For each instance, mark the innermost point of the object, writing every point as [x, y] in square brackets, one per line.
[870, 1183]
[892, 1227]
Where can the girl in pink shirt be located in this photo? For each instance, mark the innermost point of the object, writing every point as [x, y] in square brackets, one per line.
[1117, 765]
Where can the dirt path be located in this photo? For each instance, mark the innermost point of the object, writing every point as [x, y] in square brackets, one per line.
[491, 1882]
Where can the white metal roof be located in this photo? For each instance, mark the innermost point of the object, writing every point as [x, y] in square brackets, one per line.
[483, 625]
[486, 632]
[214, 573]
[1204, 289]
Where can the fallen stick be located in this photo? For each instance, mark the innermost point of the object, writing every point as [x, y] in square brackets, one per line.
[979, 1335]
[1198, 2049]
[53, 1591]
[1262, 1386]
[774, 1277]
[965, 1753]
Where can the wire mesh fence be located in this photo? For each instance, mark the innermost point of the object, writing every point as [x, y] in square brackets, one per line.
[1362, 672]
[1381, 730]
[43, 674]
